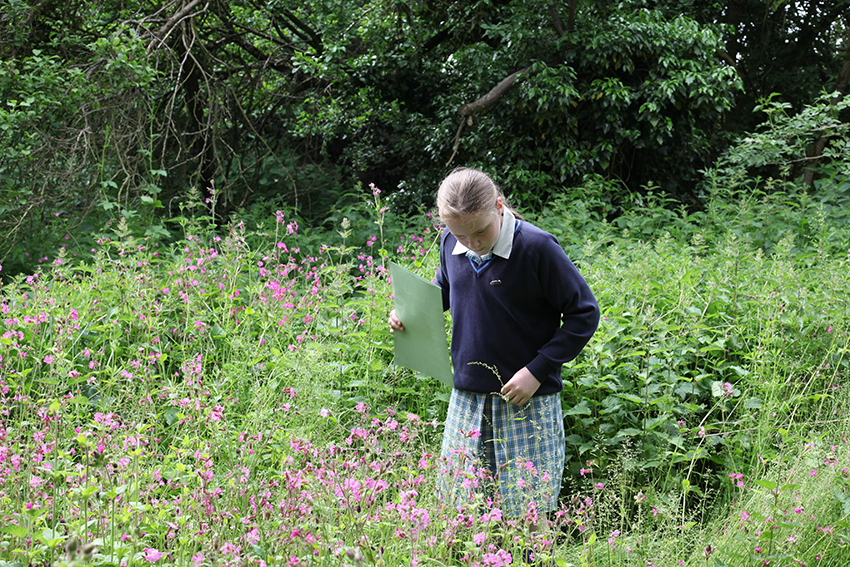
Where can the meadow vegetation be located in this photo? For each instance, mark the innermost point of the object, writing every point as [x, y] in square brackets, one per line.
[228, 397]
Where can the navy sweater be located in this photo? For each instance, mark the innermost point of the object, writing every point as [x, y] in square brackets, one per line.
[533, 310]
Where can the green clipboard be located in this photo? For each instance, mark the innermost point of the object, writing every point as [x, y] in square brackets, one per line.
[422, 346]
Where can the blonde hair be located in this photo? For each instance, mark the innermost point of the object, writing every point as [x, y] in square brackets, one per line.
[468, 192]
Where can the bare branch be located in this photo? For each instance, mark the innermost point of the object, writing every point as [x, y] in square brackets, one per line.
[493, 96]
[467, 111]
[456, 142]
[166, 28]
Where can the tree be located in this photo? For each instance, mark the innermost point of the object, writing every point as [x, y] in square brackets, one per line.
[119, 108]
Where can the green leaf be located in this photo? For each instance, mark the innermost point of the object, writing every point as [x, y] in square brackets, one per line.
[628, 432]
[13, 530]
[630, 397]
[580, 409]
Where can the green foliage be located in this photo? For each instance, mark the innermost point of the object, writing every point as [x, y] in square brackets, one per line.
[639, 86]
[786, 139]
[285, 103]
[629, 95]
[253, 354]
[63, 149]
[695, 319]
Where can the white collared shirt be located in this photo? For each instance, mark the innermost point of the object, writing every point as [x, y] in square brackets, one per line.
[505, 242]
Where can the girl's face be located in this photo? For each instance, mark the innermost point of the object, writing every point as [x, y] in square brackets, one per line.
[478, 232]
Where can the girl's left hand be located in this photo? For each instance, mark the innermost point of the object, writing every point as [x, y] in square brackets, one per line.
[521, 387]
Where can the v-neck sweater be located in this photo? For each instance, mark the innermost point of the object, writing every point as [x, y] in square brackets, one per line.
[531, 310]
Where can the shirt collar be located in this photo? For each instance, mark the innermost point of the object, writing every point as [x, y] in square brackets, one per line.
[505, 242]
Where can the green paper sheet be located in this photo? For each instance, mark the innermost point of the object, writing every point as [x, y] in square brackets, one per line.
[422, 345]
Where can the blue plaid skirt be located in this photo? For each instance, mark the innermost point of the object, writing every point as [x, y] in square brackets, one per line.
[514, 454]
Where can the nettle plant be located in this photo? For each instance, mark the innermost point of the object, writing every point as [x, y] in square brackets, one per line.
[704, 351]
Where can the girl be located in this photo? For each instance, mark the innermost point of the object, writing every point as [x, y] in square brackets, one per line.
[520, 310]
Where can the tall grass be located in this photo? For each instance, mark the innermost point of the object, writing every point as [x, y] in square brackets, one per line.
[230, 399]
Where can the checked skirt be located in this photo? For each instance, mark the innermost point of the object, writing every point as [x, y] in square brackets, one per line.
[513, 454]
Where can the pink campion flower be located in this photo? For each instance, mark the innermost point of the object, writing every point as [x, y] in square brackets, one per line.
[583, 471]
[493, 515]
[217, 413]
[479, 538]
[253, 536]
[152, 555]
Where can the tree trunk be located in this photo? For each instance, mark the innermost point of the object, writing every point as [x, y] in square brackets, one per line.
[841, 88]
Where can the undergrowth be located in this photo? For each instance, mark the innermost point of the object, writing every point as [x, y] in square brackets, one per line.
[230, 398]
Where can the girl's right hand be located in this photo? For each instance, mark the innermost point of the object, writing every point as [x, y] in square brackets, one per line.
[395, 322]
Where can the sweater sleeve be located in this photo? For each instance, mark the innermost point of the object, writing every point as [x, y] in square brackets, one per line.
[442, 278]
[566, 290]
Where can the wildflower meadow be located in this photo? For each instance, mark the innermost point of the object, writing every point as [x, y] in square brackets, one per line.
[226, 396]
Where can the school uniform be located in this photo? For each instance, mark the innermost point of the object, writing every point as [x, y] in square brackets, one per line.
[523, 305]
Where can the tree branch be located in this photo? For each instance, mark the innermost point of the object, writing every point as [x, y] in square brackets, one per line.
[304, 31]
[556, 18]
[467, 111]
[170, 24]
[728, 59]
[436, 39]
[493, 96]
